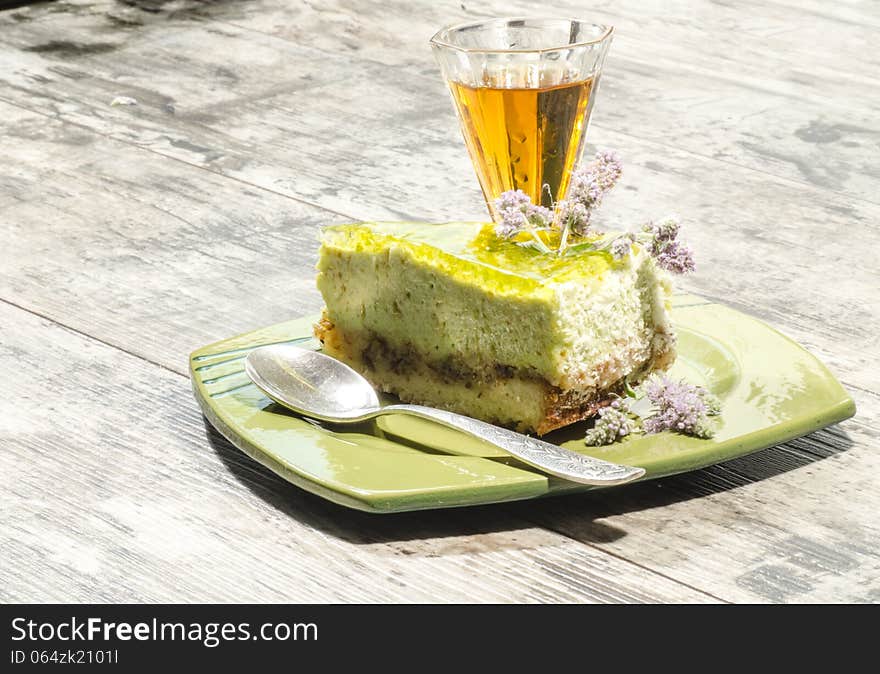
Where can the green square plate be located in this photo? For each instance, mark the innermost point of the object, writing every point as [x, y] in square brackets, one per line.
[772, 391]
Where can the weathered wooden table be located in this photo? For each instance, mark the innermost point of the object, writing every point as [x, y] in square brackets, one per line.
[133, 234]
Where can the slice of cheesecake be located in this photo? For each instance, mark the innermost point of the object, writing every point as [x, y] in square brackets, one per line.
[452, 316]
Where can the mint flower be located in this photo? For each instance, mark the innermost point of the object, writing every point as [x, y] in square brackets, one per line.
[677, 406]
[677, 258]
[664, 231]
[612, 423]
[588, 187]
[590, 184]
[680, 407]
[574, 216]
[517, 212]
[666, 249]
[621, 246]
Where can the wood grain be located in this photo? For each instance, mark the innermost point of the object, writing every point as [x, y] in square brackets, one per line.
[352, 118]
[136, 227]
[112, 490]
[706, 91]
[810, 120]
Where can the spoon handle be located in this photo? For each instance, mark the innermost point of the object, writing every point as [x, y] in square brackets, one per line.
[549, 458]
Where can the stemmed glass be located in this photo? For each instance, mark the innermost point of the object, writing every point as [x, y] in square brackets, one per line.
[524, 90]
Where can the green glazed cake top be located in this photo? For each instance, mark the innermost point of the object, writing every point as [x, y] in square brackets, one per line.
[470, 250]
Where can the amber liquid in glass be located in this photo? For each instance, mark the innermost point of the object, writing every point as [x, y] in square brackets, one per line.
[524, 138]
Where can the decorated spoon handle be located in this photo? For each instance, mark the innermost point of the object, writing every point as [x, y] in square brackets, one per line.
[549, 458]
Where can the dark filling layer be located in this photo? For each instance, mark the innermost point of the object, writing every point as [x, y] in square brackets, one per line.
[561, 407]
[449, 370]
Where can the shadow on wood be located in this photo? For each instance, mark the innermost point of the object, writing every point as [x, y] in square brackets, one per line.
[365, 528]
[580, 515]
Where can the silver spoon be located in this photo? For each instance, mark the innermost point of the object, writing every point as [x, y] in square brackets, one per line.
[321, 387]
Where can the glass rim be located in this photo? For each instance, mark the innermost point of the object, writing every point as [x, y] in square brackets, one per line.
[438, 42]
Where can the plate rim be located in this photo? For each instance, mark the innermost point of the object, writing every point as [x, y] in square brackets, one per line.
[543, 485]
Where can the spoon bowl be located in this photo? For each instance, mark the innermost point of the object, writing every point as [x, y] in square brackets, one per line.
[311, 383]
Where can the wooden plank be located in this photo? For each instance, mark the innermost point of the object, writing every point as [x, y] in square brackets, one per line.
[138, 238]
[658, 60]
[132, 273]
[755, 216]
[796, 523]
[776, 35]
[710, 96]
[763, 529]
[112, 490]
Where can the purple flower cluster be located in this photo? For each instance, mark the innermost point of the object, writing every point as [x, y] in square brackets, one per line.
[574, 215]
[589, 185]
[614, 422]
[621, 246]
[517, 212]
[677, 406]
[670, 253]
[680, 407]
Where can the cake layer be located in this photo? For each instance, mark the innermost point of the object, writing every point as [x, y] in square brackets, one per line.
[501, 395]
[454, 293]
[451, 316]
